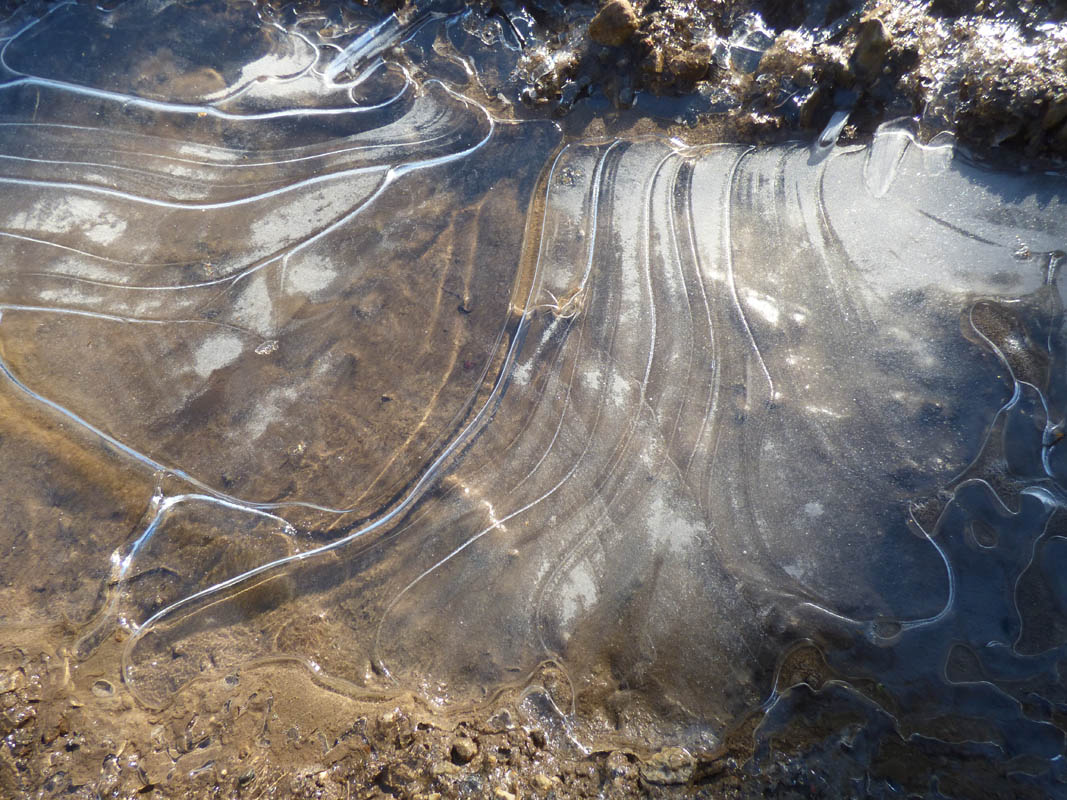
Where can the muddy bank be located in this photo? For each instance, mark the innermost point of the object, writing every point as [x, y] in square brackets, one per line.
[994, 73]
[271, 732]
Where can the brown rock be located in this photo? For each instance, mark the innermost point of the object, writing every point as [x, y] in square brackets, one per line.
[157, 766]
[690, 66]
[871, 49]
[543, 783]
[463, 750]
[395, 778]
[614, 24]
[672, 765]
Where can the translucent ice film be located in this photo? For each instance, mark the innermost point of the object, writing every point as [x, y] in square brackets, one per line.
[309, 354]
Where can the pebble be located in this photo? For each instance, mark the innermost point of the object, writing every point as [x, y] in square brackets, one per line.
[871, 49]
[542, 783]
[672, 765]
[463, 750]
[614, 24]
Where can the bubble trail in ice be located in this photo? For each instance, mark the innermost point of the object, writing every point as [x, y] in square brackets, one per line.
[438, 403]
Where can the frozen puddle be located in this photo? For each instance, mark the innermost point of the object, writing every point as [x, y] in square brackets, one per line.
[307, 356]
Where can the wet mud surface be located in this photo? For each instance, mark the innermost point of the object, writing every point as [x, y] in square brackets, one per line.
[368, 430]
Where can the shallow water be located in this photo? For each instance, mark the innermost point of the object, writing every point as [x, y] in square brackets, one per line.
[311, 355]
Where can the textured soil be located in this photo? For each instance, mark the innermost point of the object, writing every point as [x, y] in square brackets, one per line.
[993, 72]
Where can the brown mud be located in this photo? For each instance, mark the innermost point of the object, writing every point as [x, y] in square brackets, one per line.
[271, 731]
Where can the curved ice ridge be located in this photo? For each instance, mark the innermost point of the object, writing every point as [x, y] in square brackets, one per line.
[434, 400]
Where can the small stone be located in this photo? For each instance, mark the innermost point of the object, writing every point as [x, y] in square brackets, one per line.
[395, 778]
[445, 768]
[503, 794]
[672, 765]
[614, 24]
[463, 750]
[156, 767]
[692, 65]
[542, 783]
[12, 680]
[871, 49]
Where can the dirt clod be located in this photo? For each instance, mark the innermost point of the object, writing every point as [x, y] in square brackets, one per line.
[463, 750]
[871, 48]
[542, 783]
[672, 765]
[614, 24]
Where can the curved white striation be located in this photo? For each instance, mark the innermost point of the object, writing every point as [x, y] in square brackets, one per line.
[429, 400]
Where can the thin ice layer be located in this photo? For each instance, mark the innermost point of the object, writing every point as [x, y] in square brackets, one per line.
[257, 287]
[265, 297]
[435, 405]
[724, 413]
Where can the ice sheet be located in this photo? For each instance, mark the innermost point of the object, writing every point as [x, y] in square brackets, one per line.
[324, 362]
